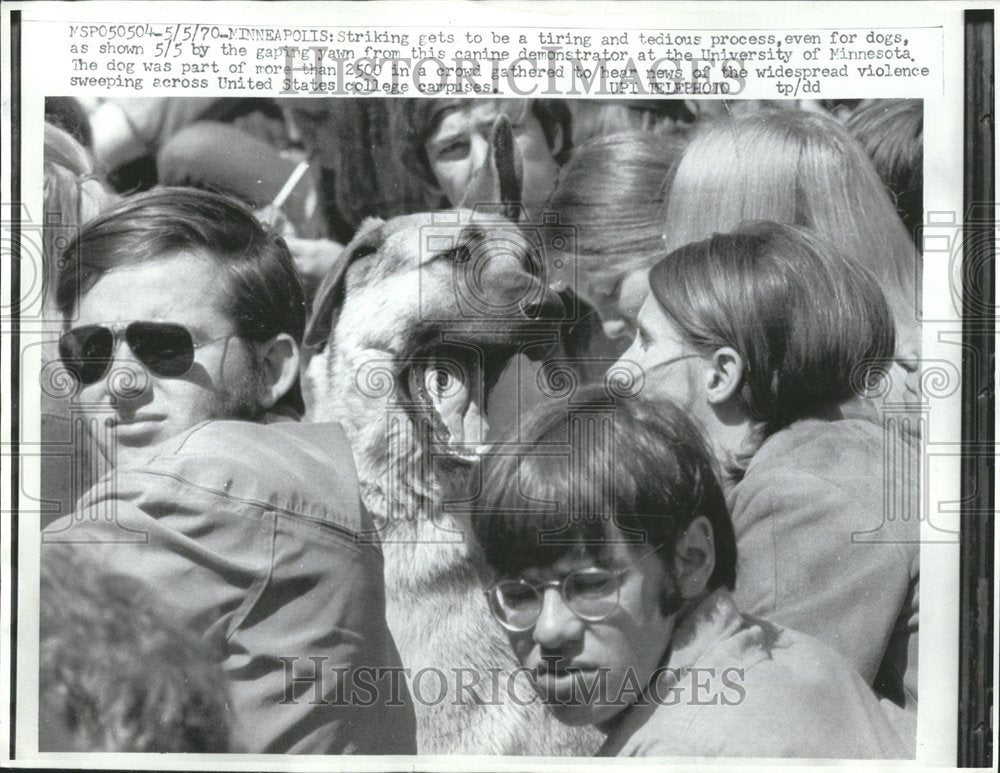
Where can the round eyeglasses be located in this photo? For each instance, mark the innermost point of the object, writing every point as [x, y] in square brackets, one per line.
[590, 594]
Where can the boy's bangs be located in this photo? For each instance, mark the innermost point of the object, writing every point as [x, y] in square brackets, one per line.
[548, 510]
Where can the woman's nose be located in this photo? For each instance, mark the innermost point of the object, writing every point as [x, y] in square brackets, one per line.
[907, 362]
[615, 328]
[556, 623]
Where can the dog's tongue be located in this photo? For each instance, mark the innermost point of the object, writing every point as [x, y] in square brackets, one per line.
[454, 394]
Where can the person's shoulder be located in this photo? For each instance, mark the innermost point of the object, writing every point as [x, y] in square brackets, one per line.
[800, 660]
[802, 700]
[813, 458]
[291, 467]
[286, 443]
[809, 674]
[815, 443]
[821, 686]
[847, 470]
[762, 690]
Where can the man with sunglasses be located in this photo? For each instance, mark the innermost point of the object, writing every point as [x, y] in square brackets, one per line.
[183, 319]
[611, 566]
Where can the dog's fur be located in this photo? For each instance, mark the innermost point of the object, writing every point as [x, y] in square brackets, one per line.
[401, 315]
[402, 304]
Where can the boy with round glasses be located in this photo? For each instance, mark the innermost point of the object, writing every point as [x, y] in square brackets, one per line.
[612, 566]
[183, 320]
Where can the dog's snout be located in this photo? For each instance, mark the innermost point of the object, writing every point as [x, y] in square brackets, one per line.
[532, 309]
[548, 306]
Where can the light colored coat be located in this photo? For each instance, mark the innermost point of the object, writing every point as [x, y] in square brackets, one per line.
[252, 536]
[828, 541]
[741, 687]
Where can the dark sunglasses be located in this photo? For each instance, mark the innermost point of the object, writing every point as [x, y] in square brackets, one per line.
[165, 348]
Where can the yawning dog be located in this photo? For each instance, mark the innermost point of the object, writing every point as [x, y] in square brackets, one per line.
[413, 327]
[418, 320]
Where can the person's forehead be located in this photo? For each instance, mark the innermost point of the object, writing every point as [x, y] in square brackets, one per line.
[611, 554]
[635, 287]
[604, 285]
[186, 287]
[514, 108]
[311, 106]
[650, 314]
[479, 111]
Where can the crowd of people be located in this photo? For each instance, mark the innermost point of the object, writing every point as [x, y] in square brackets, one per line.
[747, 587]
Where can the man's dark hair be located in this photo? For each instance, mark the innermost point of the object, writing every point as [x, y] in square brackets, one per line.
[115, 674]
[420, 118]
[264, 292]
[637, 472]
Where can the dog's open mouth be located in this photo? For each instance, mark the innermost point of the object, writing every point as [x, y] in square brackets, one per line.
[449, 388]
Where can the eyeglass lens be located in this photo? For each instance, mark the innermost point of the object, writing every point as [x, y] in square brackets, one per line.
[591, 595]
[166, 349]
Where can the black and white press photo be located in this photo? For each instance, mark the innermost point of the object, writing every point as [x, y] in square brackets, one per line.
[467, 423]
[554, 436]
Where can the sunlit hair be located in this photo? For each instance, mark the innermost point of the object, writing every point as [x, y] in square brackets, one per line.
[115, 674]
[69, 115]
[892, 133]
[419, 118]
[613, 192]
[811, 325]
[72, 194]
[637, 472]
[795, 167]
[593, 118]
[265, 296]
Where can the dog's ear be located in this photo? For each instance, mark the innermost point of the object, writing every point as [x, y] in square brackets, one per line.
[500, 180]
[333, 289]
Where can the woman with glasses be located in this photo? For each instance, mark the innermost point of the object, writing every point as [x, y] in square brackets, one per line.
[762, 334]
[612, 561]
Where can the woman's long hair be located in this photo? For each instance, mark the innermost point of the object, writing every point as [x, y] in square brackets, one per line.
[73, 193]
[798, 168]
[613, 192]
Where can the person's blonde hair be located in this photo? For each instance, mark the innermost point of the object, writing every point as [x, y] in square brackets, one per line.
[799, 168]
[613, 192]
[72, 194]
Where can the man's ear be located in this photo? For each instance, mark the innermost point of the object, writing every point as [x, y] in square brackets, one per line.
[725, 376]
[694, 558]
[278, 361]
